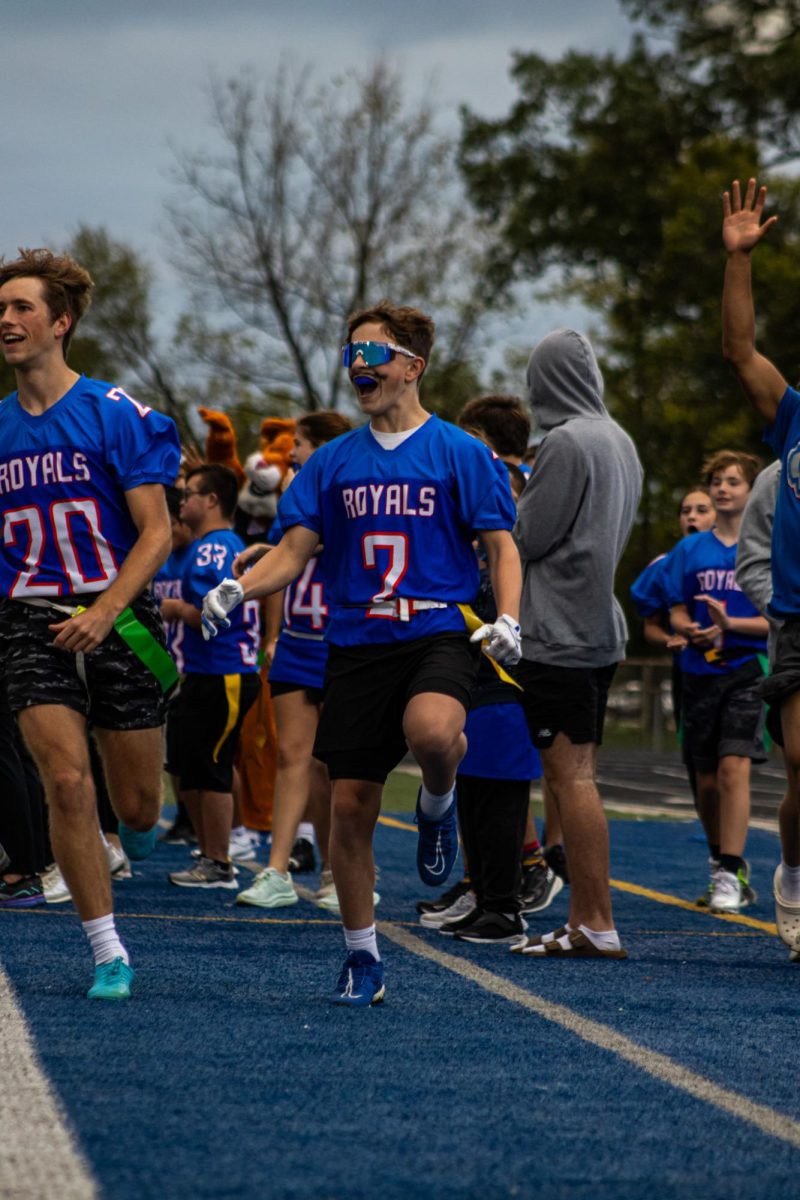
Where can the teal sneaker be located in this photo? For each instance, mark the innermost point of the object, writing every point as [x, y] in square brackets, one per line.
[138, 845]
[269, 889]
[112, 981]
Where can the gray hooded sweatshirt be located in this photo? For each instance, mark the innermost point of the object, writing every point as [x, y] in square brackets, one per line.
[576, 513]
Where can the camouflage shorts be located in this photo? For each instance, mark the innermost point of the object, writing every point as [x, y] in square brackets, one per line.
[110, 685]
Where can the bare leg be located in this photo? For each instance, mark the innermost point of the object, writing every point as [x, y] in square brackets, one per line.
[707, 805]
[296, 719]
[434, 729]
[789, 816]
[193, 806]
[356, 806]
[733, 780]
[132, 761]
[217, 810]
[570, 774]
[552, 821]
[319, 808]
[57, 738]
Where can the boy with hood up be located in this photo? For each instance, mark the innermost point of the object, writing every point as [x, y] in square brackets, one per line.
[574, 519]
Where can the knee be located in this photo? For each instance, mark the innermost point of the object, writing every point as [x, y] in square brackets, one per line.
[731, 771]
[352, 807]
[69, 791]
[434, 741]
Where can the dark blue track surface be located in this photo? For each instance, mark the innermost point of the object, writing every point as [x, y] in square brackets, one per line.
[229, 1075]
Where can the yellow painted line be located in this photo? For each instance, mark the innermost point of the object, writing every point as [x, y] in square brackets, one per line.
[658, 1066]
[636, 889]
[393, 823]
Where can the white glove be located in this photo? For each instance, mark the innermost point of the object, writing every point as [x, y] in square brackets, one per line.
[217, 604]
[505, 643]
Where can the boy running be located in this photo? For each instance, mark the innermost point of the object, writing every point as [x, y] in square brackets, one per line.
[396, 504]
[85, 527]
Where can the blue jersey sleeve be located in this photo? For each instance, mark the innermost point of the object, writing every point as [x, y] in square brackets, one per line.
[301, 503]
[777, 434]
[142, 444]
[648, 591]
[484, 489]
[673, 581]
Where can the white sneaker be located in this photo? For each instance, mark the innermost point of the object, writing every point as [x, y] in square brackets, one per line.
[330, 901]
[460, 908]
[269, 889]
[243, 844]
[726, 896]
[118, 863]
[54, 886]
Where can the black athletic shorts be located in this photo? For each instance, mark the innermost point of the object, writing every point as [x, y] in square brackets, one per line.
[110, 685]
[205, 719]
[723, 715]
[784, 678]
[568, 700]
[367, 689]
[279, 687]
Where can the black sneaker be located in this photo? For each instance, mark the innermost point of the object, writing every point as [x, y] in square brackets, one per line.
[5, 861]
[460, 924]
[556, 860]
[446, 900]
[494, 927]
[301, 860]
[25, 893]
[540, 886]
[179, 834]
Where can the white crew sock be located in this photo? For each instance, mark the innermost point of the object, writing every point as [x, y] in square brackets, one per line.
[790, 883]
[362, 939]
[104, 940]
[305, 830]
[435, 807]
[603, 939]
[238, 831]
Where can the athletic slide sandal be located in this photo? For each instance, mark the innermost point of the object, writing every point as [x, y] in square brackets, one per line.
[579, 947]
[787, 914]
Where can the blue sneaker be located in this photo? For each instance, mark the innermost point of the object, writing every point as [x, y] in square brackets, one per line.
[437, 848]
[361, 981]
[112, 981]
[138, 845]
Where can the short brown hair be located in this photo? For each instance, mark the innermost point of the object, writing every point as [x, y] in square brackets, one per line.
[503, 421]
[748, 464]
[221, 481]
[409, 327]
[67, 285]
[323, 426]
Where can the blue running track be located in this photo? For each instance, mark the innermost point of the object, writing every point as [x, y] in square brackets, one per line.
[484, 1074]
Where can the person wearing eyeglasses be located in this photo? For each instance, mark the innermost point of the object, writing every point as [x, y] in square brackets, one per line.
[396, 504]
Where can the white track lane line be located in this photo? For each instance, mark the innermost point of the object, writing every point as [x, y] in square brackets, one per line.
[657, 1065]
[39, 1158]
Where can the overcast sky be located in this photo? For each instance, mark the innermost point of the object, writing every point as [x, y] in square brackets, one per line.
[96, 92]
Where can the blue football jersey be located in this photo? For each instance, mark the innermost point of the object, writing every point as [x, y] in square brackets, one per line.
[648, 591]
[234, 651]
[399, 525]
[301, 654]
[67, 529]
[167, 585]
[701, 564]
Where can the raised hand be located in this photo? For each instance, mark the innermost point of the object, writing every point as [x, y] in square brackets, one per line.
[742, 228]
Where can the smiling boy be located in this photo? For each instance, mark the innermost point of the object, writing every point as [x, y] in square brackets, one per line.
[396, 504]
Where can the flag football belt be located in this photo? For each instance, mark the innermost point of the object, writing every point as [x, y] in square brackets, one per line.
[473, 623]
[401, 608]
[134, 634]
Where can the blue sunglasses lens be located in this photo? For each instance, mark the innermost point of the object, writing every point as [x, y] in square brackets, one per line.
[373, 354]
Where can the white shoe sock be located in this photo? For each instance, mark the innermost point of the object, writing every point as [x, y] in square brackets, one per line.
[104, 940]
[435, 807]
[603, 939]
[362, 939]
[790, 883]
[305, 830]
